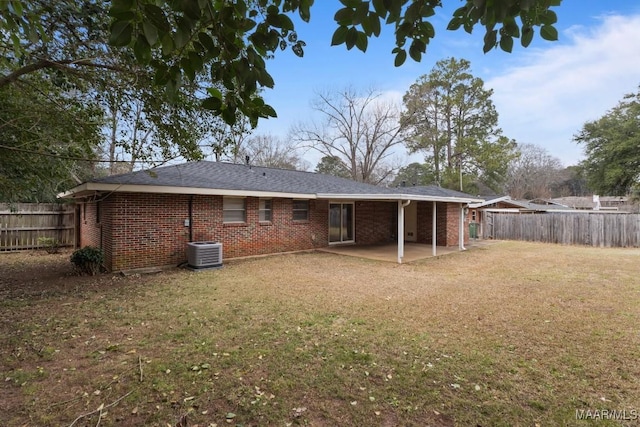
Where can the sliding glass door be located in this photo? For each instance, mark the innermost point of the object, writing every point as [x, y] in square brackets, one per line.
[341, 220]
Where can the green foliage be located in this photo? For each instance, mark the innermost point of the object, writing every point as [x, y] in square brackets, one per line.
[239, 37]
[359, 20]
[87, 86]
[143, 125]
[50, 244]
[228, 42]
[88, 260]
[414, 174]
[450, 117]
[612, 148]
[45, 125]
[332, 165]
[224, 46]
[572, 182]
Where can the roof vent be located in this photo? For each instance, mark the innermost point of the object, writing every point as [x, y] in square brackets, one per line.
[204, 255]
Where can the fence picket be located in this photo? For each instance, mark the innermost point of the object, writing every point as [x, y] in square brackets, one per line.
[22, 224]
[593, 229]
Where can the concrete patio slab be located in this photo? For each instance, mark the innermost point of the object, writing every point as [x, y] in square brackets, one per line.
[389, 252]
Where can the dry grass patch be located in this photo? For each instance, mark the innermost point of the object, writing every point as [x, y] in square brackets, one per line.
[513, 334]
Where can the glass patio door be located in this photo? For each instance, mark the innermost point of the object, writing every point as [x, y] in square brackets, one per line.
[341, 222]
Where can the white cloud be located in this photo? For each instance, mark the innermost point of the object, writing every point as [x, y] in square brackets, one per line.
[551, 93]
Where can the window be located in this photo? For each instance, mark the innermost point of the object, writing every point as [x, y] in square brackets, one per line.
[473, 215]
[300, 210]
[264, 210]
[98, 211]
[234, 209]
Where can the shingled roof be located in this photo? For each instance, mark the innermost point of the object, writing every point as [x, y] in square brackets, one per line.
[222, 178]
[433, 190]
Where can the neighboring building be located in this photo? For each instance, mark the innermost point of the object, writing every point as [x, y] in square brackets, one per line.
[505, 204]
[602, 203]
[146, 218]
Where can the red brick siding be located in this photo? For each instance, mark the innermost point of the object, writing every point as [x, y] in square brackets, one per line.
[96, 230]
[148, 230]
[281, 234]
[106, 222]
[447, 223]
[144, 230]
[450, 214]
[89, 229]
[376, 222]
[425, 224]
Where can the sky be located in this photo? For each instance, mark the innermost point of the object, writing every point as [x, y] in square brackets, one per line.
[544, 94]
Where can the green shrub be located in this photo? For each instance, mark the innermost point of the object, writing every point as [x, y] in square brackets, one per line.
[88, 260]
[50, 244]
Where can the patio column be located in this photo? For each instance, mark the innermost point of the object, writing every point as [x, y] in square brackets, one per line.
[434, 230]
[461, 229]
[401, 206]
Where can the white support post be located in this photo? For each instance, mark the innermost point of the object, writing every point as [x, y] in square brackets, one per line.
[400, 231]
[434, 230]
[461, 229]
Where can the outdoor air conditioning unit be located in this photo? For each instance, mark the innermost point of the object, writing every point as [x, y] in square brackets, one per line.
[202, 255]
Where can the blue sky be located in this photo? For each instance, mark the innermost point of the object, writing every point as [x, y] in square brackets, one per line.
[543, 94]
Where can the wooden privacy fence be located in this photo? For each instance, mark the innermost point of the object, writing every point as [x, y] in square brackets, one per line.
[593, 229]
[22, 224]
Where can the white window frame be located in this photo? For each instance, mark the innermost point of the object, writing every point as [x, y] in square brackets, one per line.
[226, 207]
[263, 210]
[294, 210]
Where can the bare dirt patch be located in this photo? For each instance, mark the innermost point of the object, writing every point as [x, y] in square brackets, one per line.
[39, 274]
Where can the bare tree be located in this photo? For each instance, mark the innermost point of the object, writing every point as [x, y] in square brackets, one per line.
[358, 127]
[533, 174]
[270, 151]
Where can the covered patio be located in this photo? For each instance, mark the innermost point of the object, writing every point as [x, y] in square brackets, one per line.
[429, 217]
[412, 251]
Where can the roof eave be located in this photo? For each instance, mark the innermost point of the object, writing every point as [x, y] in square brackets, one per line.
[483, 202]
[91, 188]
[394, 197]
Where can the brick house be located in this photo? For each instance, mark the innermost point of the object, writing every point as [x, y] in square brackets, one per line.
[146, 218]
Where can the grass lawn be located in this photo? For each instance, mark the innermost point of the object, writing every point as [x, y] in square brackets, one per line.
[514, 334]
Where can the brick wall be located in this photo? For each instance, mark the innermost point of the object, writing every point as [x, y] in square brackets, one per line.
[148, 230]
[425, 225]
[450, 214]
[142, 230]
[376, 222]
[447, 223]
[281, 234]
[96, 227]
[89, 228]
